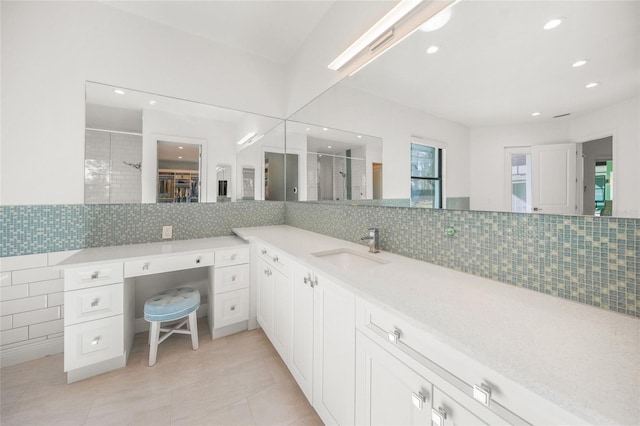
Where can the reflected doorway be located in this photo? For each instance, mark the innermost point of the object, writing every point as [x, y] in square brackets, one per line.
[597, 163]
[179, 172]
[377, 181]
[280, 179]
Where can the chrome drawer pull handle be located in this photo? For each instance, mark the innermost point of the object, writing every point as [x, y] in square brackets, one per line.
[95, 302]
[263, 251]
[275, 259]
[95, 341]
[418, 399]
[393, 336]
[438, 416]
[145, 267]
[234, 256]
[233, 278]
[198, 260]
[95, 275]
[482, 394]
[233, 307]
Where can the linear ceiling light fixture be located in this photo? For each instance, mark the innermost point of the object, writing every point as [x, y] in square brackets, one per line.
[401, 21]
[246, 138]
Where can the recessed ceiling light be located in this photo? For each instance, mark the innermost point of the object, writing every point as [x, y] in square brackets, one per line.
[432, 49]
[179, 157]
[436, 22]
[359, 136]
[535, 114]
[324, 128]
[152, 102]
[592, 85]
[119, 91]
[553, 23]
[307, 129]
[181, 147]
[579, 63]
[329, 147]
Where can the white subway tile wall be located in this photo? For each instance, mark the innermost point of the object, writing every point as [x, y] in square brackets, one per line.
[31, 298]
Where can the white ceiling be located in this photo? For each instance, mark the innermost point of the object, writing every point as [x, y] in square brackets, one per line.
[274, 30]
[496, 65]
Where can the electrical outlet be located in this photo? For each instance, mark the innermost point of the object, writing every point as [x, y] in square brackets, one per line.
[167, 232]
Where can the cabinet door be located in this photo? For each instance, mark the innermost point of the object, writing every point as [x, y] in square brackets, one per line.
[265, 297]
[281, 335]
[387, 391]
[334, 353]
[301, 360]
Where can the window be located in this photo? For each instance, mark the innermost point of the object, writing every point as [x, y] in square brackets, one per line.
[426, 176]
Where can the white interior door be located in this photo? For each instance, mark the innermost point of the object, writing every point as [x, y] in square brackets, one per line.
[554, 178]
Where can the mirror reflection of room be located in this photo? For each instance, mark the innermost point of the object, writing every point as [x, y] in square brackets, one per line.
[577, 89]
[178, 172]
[149, 148]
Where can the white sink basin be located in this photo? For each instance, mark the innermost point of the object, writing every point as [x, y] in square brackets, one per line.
[349, 259]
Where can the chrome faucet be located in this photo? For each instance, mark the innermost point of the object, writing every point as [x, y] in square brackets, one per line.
[374, 240]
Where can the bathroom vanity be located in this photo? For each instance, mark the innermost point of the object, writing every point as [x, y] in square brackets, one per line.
[383, 339]
[375, 338]
[99, 317]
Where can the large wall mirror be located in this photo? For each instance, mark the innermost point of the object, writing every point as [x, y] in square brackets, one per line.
[332, 165]
[526, 119]
[147, 148]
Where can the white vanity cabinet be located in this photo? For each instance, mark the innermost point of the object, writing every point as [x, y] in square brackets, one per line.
[323, 345]
[99, 295]
[94, 319]
[229, 282]
[458, 386]
[274, 297]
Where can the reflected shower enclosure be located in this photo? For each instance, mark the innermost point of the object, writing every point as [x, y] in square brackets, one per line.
[336, 177]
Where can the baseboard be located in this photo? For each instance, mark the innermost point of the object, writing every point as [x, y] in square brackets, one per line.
[141, 325]
[31, 351]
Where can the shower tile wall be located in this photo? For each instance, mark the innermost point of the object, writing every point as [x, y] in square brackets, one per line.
[52, 228]
[108, 179]
[586, 259]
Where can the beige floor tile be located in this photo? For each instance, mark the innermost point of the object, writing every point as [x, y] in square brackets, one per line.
[236, 414]
[281, 404]
[235, 380]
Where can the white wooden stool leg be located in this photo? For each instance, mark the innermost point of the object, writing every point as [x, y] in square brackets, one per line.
[193, 327]
[154, 333]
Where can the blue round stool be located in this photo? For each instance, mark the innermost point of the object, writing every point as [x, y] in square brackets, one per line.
[171, 305]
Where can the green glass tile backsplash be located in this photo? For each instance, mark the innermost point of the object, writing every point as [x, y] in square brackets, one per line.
[50, 228]
[591, 260]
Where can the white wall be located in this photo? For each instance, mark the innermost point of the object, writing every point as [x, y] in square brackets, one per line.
[344, 22]
[49, 50]
[621, 120]
[349, 109]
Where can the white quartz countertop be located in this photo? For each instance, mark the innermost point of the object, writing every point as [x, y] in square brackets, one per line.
[148, 250]
[583, 359]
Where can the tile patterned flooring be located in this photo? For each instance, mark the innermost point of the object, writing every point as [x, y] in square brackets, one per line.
[235, 380]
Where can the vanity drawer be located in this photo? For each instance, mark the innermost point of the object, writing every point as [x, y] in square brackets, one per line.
[230, 308]
[137, 268]
[232, 256]
[93, 341]
[92, 275]
[93, 303]
[273, 257]
[230, 278]
[455, 371]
